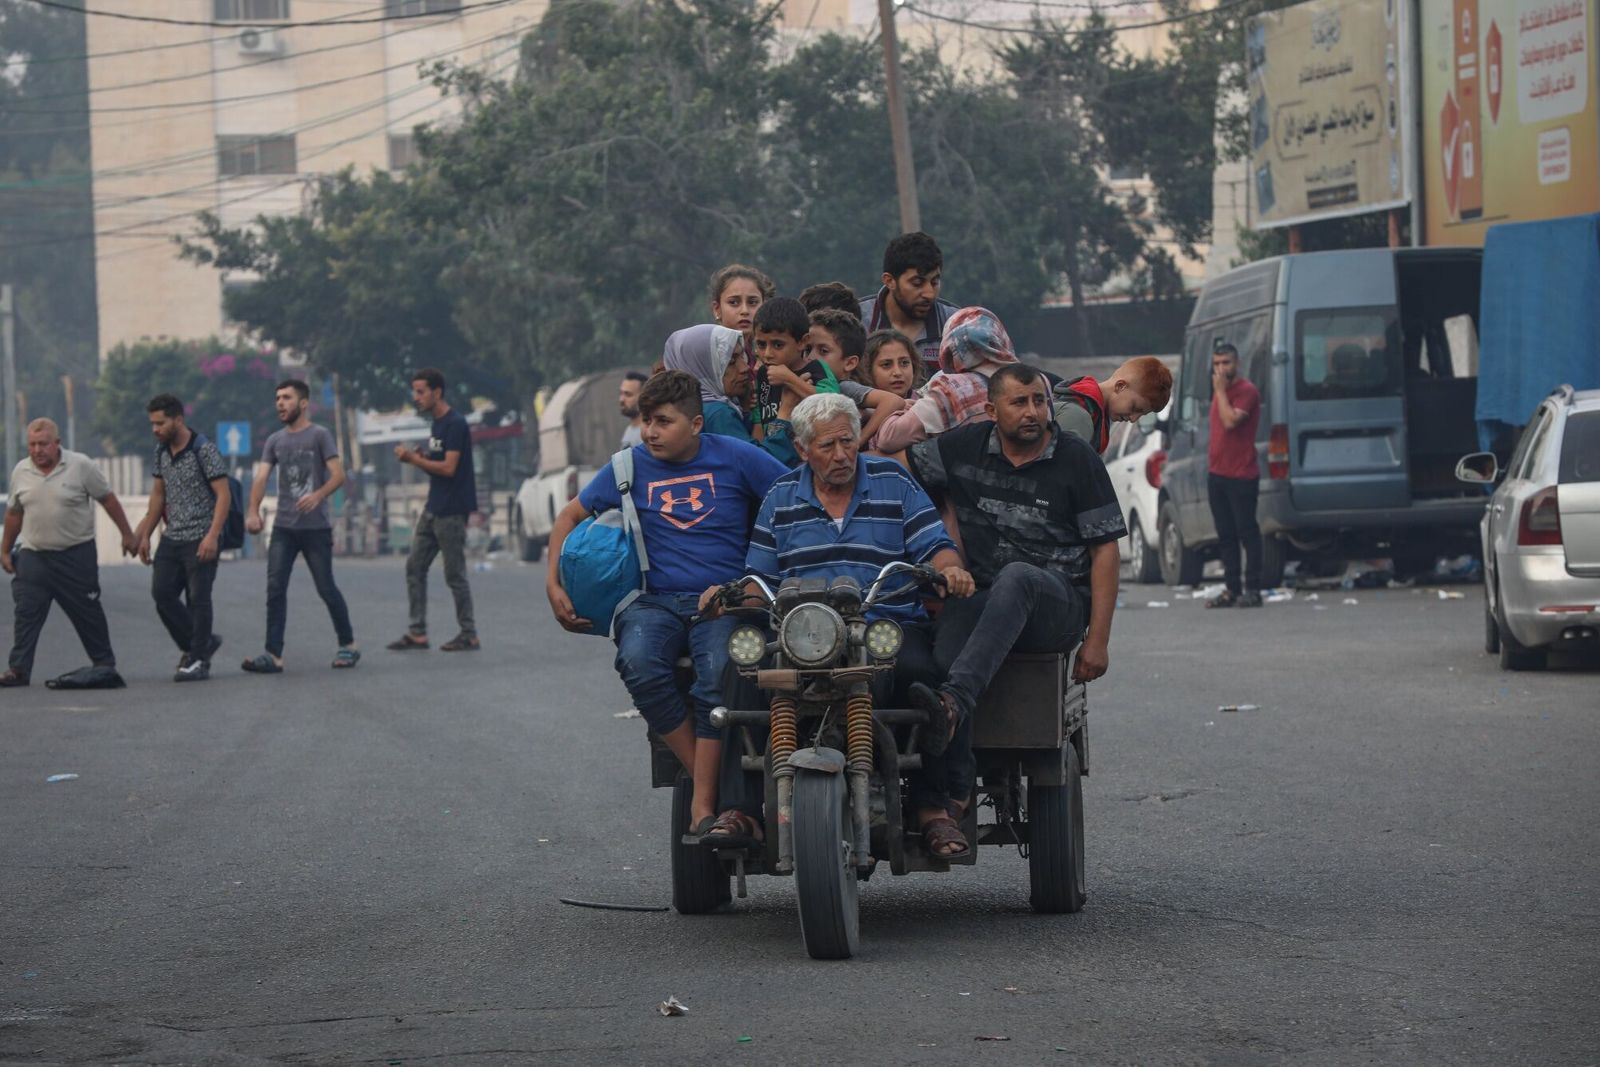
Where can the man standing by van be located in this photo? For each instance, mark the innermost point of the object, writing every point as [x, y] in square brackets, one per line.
[1233, 481]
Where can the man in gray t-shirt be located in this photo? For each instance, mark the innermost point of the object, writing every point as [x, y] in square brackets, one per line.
[309, 472]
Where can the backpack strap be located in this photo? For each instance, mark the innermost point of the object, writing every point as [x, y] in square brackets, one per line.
[622, 470]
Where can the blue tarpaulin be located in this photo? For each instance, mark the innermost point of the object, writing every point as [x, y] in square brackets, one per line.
[1539, 322]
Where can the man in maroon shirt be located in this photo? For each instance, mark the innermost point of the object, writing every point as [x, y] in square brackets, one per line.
[1234, 477]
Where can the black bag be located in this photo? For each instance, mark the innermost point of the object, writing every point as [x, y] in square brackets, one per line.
[88, 678]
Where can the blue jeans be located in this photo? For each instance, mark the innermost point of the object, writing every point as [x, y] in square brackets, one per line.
[652, 633]
[317, 547]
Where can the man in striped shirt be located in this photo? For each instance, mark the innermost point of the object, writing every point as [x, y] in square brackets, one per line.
[842, 513]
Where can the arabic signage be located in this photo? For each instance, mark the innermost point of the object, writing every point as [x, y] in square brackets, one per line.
[1328, 97]
[1510, 127]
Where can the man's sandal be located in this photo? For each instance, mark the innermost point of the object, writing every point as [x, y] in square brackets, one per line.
[262, 664]
[408, 643]
[943, 839]
[346, 658]
[733, 829]
[460, 643]
[1224, 600]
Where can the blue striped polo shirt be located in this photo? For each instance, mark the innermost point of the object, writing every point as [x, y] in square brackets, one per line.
[889, 518]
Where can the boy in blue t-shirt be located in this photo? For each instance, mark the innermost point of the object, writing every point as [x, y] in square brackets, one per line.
[697, 496]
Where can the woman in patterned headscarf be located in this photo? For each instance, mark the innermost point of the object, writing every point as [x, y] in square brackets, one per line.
[715, 357]
[975, 345]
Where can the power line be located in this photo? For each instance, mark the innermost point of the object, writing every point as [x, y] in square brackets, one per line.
[167, 162]
[336, 20]
[1080, 5]
[94, 90]
[131, 229]
[41, 60]
[213, 101]
[994, 28]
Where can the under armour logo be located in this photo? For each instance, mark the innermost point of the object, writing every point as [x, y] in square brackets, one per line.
[693, 498]
[670, 501]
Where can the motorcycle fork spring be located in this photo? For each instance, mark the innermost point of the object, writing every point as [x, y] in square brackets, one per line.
[858, 730]
[784, 739]
[785, 733]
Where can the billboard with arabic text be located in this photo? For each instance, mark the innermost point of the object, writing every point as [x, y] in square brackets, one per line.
[1510, 125]
[1329, 87]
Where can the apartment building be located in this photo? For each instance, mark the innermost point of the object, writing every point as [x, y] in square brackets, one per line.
[238, 116]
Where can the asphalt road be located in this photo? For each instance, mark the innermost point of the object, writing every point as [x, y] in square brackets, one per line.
[1393, 860]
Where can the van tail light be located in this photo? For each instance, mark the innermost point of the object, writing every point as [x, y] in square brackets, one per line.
[572, 484]
[1278, 452]
[1540, 522]
[1154, 466]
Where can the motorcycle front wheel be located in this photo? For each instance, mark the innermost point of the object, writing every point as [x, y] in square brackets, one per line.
[824, 880]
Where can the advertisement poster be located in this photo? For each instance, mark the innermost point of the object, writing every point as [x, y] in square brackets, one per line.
[1328, 110]
[1510, 127]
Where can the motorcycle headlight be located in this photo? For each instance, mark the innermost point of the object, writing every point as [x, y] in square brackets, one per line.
[884, 639]
[746, 646]
[812, 634]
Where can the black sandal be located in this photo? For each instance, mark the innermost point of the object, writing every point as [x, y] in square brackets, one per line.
[262, 664]
[408, 643]
[1225, 600]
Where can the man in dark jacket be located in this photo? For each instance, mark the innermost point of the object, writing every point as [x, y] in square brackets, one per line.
[913, 271]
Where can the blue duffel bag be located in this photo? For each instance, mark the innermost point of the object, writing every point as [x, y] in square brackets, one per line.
[603, 562]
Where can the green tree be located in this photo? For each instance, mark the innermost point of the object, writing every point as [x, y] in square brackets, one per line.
[604, 185]
[355, 284]
[218, 381]
[46, 216]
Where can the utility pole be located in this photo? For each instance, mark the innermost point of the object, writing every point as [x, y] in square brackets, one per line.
[905, 170]
[72, 415]
[8, 354]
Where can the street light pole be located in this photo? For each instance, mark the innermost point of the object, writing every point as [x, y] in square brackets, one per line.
[905, 170]
[8, 353]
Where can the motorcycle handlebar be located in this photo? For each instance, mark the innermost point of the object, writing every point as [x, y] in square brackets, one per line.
[922, 574]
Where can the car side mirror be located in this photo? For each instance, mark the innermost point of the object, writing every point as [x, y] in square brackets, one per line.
[1479, 468]
[1150, 422]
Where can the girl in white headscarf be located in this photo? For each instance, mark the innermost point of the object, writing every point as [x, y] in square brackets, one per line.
[715, 357]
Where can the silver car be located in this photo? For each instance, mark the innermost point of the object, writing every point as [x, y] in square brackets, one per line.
[1541, 534]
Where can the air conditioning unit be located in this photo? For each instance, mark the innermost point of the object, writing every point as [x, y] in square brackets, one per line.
[260, 42]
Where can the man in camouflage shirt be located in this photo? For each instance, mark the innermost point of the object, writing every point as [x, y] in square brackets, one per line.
[191, 494]
[1039, 524]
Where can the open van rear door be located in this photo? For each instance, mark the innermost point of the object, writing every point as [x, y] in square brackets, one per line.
[1578, 493]
[1347, 425]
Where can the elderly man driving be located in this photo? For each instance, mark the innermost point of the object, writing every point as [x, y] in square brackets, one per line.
[842, 513]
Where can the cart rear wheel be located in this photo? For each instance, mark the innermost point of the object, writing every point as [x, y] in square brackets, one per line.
[699, 882]
[824, 880]
[1145, 561]
[528, 549]
[1055, 842]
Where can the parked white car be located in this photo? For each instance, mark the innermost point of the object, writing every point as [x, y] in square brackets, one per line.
[1541, 534]
[1134, 459]
[579, 429]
